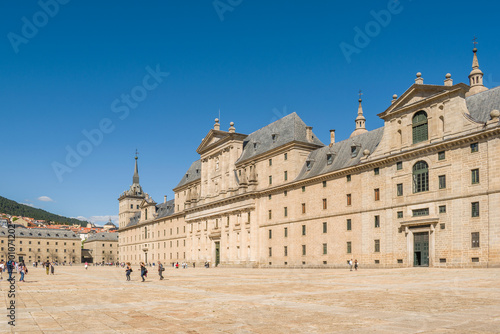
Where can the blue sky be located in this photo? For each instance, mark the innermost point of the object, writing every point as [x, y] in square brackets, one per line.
[68, 66]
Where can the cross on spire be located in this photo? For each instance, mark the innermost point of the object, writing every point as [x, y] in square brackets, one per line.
[360, 93]
[474, 41]
[136, 153]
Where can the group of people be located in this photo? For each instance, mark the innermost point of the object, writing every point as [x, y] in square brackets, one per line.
[10, 265]
[355, 263]
[144, 271]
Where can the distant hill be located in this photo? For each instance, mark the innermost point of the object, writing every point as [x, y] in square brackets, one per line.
[13, 208]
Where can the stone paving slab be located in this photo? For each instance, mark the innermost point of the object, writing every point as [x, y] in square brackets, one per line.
[226, 300]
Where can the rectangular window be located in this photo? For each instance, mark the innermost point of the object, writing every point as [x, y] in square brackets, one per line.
[270, 234]
[270, 251]
[270, 179]
[303, 207]
[285, 251]
[348, 178]
[303, 188]
[286, 156]
[377, 221]
[377, 194]
[285, 175]
[348, 199]
[475, 239]
[303, 229]
[270, 196]
[399, 165]
[303, 249]
[325, 227]
[400, 214]
[442, 209]
[376, 171]
[420, 212]
[285, 209]
[442, 181]
[474, 147]
[324, 184]
[285, 231]
[475, 209]
[474, 176]
[349, 225]
[270, 214]
[399, 188]
[377, 246]
[441, 155]
[325, 206]
[285, 193]
[349, 247]
[270, 162]
[325, 249]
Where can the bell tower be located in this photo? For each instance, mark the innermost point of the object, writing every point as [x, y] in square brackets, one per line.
[130, 200]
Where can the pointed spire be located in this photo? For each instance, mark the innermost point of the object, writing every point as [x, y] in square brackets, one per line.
[476, 75]
[135, 178]
[360, 120]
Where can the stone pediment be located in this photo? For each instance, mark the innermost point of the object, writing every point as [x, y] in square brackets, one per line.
[216, 137]
[148, 201]
[418, 94]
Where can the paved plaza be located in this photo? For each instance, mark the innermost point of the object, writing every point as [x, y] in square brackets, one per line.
[222, 300]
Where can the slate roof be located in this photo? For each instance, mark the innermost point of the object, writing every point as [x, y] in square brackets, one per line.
[481, 104]
[192, 174]
[165, 209]
[287, 129]
[103, 236]
[134, 219]
[341, 154]
[40, 233]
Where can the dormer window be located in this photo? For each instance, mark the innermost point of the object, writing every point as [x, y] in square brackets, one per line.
[329, 158]
[254, 146]
[187, 176]
[308, 164]
[354, 151]
[274, 137]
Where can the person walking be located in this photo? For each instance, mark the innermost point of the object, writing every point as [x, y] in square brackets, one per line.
[160, 270]
[2, 268]
[22, 270]
[356, 264]
[10, 268]
[144, 271]
[350, 264]
[86, 265]
[52, 268]
[128, 270]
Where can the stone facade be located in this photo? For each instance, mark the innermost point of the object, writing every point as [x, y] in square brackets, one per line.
[103, 247]
[423, 190]
[36, 244]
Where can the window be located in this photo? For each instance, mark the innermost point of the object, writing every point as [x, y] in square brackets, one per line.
[442, 209]
[285, 211]
[285, 251]
[270, 162]
[270, 251]
[474, 176]
[420, 212]
[349, 247]
[441, 155]
[270, 179]
[303, 207]
[131, 206]
[348, 199]
[285, 230]
[270, 234]
[270, 196]
[303, 188]
[420, 177]
[475, 209]
[324, 184]
[399, 188]
[377, 194]
[325, 206]
[285, 193]
[475, 239]
[325, 227]
[285, 176]
[442, 181]
[137, 206]
[419, 127]
[303, 249]
[474, 147]
[329, 158]
[286, 156]
[377, 221]
[349, 225]
[303, 229]
[325, 249]
[376, 171]
[400, 214]
[308, 165]
[399, 165]
[348, 178]
[377, 246]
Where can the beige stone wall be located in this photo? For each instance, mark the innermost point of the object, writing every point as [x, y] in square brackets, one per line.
[103, 250]
[43, 249]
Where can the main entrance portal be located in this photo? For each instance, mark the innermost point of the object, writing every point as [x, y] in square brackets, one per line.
[421, 249]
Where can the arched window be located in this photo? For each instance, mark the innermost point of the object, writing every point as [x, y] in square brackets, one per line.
[420, 177]
[419, 125]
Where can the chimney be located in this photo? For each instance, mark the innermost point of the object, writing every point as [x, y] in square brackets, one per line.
[332, 137]
[165, 199]
[216, 125]
[309, 133]
[448, 81]
[419, 80]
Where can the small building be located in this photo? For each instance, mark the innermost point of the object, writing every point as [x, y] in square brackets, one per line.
[103, 247]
